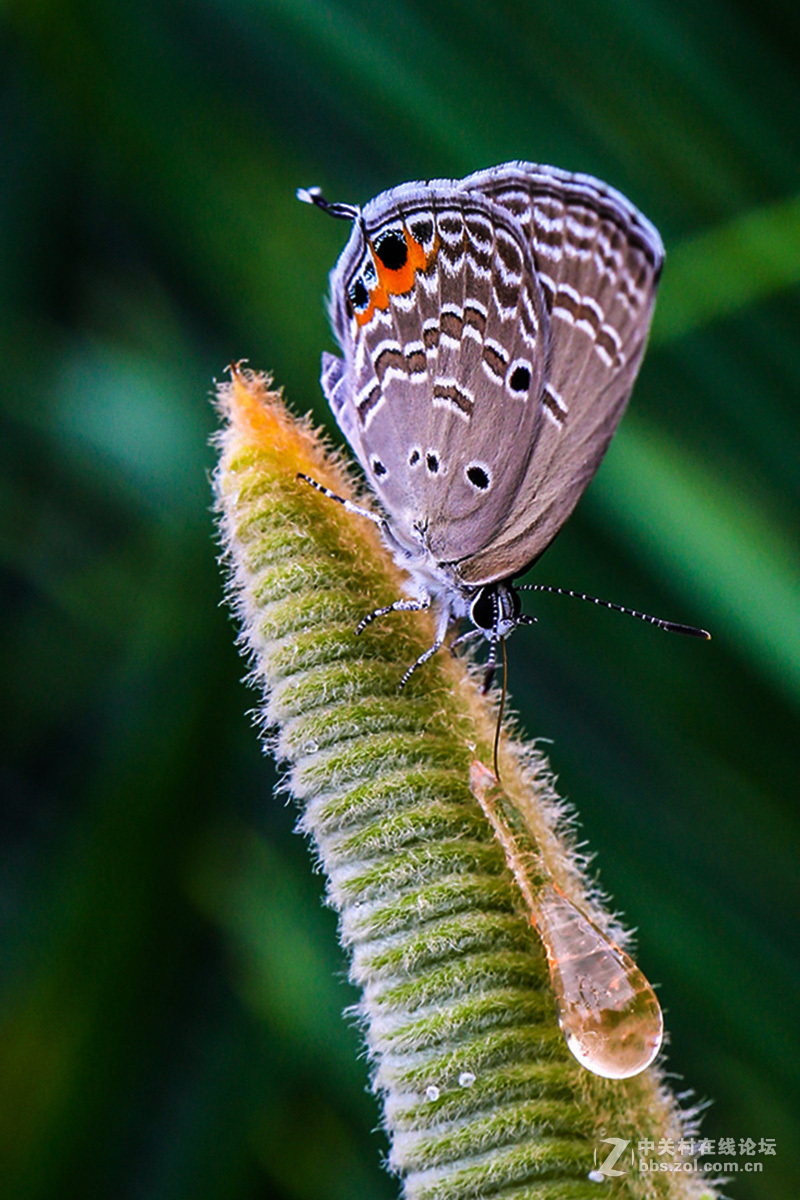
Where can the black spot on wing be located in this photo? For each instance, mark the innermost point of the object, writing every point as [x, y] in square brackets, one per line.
[392, 250]
[478, 476]
[520, 379]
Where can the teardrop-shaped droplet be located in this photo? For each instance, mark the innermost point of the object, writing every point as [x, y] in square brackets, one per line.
[607, 1010]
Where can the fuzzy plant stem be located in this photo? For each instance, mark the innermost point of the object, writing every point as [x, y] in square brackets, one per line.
[480, 1096]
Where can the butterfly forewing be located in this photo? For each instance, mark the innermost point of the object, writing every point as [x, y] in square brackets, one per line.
[443, 368]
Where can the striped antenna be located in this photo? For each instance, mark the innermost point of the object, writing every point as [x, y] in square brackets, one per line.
[669, 626]
[313, 195]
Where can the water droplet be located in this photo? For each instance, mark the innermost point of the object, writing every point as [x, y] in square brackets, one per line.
[607, 1011]
[310, 747]
[466, 1079]
[432, 1092]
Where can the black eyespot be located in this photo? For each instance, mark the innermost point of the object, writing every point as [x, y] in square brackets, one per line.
[432, 462]
[478, 477]
[520, 379]
[414, 458]
[392, 250]
[359, 296]
[378, 467]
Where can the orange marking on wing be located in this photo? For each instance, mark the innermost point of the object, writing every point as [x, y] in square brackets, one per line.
[395, 283]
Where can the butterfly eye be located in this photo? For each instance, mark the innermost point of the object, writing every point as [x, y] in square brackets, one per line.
[392, 250]
[482, 609]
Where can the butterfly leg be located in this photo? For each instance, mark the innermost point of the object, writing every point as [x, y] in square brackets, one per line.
[347, 504]
[463, 638]
[441, 632]
[494, 639]
[398, 606]
[491, 663]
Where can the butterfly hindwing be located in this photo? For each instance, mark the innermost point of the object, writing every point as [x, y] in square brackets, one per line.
[598, 262]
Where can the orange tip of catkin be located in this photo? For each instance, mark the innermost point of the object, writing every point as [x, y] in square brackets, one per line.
[257, 415]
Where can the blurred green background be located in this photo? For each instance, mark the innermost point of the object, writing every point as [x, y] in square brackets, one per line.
[171, 987]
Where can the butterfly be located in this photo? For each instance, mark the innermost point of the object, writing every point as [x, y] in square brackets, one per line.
[491, 330]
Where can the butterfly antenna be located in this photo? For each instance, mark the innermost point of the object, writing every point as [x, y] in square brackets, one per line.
[313, 195]
[491, 661]
[500, 710]
[669, 626]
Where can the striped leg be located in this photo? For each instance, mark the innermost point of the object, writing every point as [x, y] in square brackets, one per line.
[491, 663]
[463, 638]
[441, 633]
[494, 637]
[398, 606]
[381, 522]
[348, 504]
[423, 658]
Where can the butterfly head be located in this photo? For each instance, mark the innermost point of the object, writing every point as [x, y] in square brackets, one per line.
[495, 610]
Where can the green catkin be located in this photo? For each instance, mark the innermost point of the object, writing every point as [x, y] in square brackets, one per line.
[480, 1096]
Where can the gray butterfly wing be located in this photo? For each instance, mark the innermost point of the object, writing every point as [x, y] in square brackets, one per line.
[598, 262]
[446, 340]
